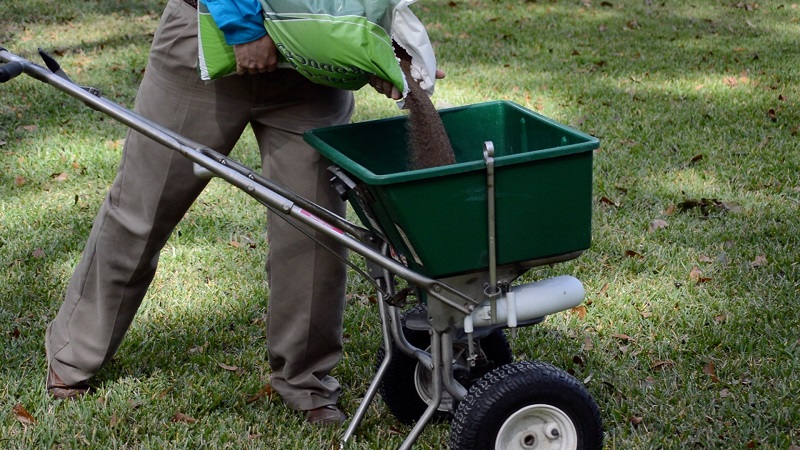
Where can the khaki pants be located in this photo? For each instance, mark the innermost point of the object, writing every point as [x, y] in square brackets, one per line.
[154, 188]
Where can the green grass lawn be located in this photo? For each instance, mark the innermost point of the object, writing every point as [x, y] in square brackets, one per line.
[688, 337]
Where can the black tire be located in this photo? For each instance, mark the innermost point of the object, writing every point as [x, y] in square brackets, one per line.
[399, 390]
[513, 395]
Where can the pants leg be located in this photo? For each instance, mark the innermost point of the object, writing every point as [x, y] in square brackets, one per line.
[153, 189]
[307, 282]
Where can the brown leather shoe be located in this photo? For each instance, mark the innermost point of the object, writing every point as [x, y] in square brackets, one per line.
[59, 390]
[326, 416]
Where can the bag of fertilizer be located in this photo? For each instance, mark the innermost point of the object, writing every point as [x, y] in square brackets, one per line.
[335, 43]
[215, 56]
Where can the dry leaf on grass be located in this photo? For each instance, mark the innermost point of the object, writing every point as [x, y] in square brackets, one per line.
[587, 344]
[661, 365]
[228, 368]
[181, 417]
[657, 224]
[633, 254]
[708, 369]
[265, 391]
[579, 311]
[696, 275]
[23, 415]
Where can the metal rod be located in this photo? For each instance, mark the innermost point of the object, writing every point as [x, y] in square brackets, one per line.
[381, 372]
[436, 395]
[453, 387]
[492, 290]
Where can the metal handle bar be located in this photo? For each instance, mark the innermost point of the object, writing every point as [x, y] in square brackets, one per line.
[268, 193]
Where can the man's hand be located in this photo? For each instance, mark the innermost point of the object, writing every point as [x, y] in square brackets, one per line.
[386, 88]
[258, 56]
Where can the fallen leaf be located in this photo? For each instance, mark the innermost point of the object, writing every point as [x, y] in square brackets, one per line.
[696, 158]
[59, 176]
[661, 365]
[587, 344]
[708, 369]
[164, 392]
[697, 276]
[23, 415]
[38, 253]
[622, 337]
[632, 254]
[657, 224]
[580, 311]
[670, 210]
[725, 393]
[759, 261]
[265, 391]
[235, 244]
[198, 349]
[29, 128]
[19, 180]
[772, 115]
[608, 201]
[227, 367]
[705, 259]
[636, 420]
[722, 318]
[14, 333]
[181, 417]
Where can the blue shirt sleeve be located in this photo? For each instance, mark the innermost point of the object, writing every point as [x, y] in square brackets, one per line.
[241, 21]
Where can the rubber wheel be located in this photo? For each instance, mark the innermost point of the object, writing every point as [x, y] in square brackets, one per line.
[404, 387]
[527, 405]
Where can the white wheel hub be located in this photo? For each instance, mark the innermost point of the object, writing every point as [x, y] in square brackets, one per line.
[537, 427]
[423, 381]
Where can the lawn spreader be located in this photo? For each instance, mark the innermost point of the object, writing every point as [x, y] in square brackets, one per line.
[445, 249]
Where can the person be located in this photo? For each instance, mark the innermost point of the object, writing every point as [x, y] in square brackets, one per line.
[155, 186]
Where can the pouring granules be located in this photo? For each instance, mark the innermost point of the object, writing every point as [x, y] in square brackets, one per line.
[428, 144]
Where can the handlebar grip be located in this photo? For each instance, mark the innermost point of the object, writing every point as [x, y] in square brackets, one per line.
[10, 70]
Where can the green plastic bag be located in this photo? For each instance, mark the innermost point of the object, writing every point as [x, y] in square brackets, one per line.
[215, 56]
[337, 43]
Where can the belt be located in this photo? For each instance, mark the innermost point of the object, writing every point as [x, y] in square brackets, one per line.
[192, 3]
